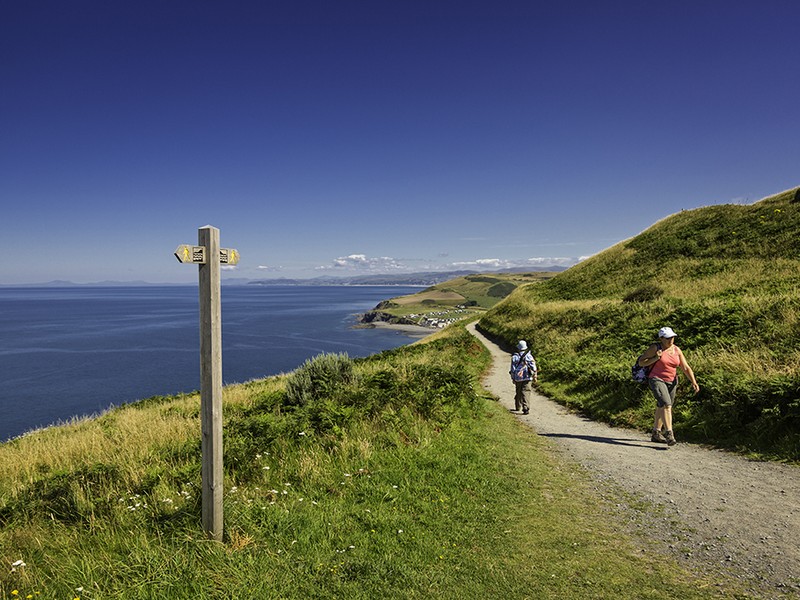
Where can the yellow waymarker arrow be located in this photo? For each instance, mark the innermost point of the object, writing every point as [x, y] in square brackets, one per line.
[228, 256]
[186, 253]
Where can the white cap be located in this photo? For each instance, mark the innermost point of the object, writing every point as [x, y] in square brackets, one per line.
[521, 345]
[666, 332]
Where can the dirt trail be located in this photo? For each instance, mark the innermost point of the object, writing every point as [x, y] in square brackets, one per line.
[717, 512]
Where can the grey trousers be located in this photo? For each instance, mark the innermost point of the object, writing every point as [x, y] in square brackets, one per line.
[522, 395]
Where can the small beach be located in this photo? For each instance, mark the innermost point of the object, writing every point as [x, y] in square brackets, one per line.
[417, 331]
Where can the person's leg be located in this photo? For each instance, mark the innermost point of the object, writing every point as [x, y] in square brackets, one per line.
[667, 411]
[661, 394]
[526, 397]
[517, 395]
[658, 420]
[668, 401]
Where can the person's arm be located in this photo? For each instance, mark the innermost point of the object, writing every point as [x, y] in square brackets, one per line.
[534, 368]
[687, 370]
[651, 356]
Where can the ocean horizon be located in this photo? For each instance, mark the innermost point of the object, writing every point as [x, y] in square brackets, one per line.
[77, 351]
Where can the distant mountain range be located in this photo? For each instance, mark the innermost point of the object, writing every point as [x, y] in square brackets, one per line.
[425, 278]
[62, 283]
[422, 279]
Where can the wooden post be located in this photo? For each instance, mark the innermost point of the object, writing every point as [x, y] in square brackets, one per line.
[208, 255]
[211, 382]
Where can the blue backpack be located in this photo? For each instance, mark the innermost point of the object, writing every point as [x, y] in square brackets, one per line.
[523, 370]
[640, 374]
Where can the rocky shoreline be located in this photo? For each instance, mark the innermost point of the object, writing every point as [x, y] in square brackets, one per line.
[377, 318]
[374, 317]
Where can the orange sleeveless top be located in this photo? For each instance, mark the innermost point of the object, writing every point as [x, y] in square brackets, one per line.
[666, 369]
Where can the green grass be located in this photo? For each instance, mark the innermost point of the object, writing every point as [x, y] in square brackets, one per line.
[392, 476]
[476, 291]
[726, 278]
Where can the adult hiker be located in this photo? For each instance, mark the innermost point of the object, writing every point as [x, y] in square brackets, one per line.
[523, 372]
[663, 359]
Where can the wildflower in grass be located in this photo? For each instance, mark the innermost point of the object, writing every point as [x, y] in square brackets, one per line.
[15, 592]
[302, 433]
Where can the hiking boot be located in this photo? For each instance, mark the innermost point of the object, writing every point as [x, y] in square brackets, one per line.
[658, 437]
[670, 438]
[525, 412]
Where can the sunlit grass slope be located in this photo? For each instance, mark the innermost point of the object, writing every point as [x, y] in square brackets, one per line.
[480, 291]
[726, 278]
[386, 477]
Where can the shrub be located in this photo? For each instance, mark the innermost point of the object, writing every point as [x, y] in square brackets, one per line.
[319, 377]
[501, 290]
[645, 293]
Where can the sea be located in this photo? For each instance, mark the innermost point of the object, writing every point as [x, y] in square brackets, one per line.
[77, 351]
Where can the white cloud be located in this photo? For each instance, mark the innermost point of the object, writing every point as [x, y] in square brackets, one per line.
[558, 261]
[496, 264]
[361, 262]
[267, 268]
[386, 264]
[484, 263]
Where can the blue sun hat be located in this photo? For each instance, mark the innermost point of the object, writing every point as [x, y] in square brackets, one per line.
[521, 345]
[666, 332]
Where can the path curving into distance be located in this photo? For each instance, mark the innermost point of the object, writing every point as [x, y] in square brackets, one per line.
[722, 513]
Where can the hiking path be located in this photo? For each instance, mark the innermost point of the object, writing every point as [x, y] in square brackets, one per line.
[716, 512]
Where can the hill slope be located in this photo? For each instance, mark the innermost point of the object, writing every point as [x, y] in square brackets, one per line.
[726, 278]
[453, 300]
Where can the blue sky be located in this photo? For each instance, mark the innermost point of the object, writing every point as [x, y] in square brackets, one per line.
[329, 138]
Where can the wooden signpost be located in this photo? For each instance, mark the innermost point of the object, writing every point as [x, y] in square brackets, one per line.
[208, 255]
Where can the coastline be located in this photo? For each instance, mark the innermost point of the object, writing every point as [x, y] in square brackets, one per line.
[410, 330]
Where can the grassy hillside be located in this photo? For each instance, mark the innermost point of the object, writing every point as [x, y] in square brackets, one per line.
[726, 278]
[385, 477]
[473, 293]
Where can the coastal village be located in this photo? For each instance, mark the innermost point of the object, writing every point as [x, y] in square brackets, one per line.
[440, 319]
[441, 305]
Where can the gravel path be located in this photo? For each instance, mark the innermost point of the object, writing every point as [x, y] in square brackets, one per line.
[716, 512]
